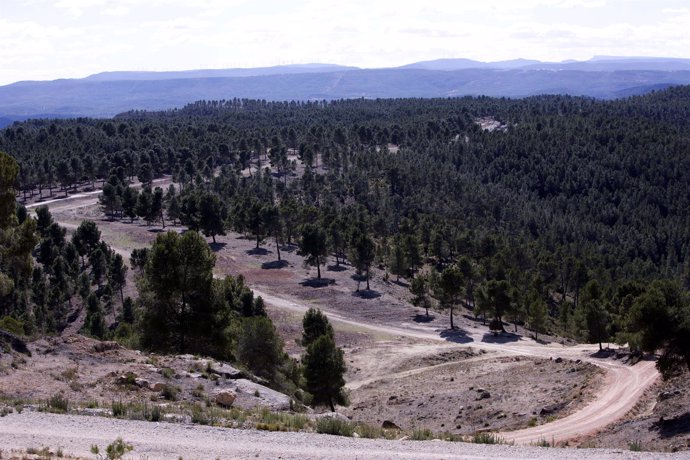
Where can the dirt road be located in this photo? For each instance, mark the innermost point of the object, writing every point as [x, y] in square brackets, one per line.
[624, 386]
[75, 435]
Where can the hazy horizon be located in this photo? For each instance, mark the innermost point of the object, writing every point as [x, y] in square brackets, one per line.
[46, 40]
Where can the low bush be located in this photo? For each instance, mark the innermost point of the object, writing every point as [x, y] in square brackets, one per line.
[635, 446]
[119, 409]
[334, 426]
[423, 434]
[58, 403]
[487, 438]
[364, 430]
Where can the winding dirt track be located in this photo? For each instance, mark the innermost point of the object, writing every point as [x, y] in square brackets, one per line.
[623, 387]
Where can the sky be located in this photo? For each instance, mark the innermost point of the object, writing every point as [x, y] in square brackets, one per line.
[45, 40]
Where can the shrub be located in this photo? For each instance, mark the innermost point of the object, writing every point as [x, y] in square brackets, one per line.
[117, 449]
[92, 404]
[119, 409]
[635, 446]
[199, 415]
[364, 430]
[58, 403]
[199, 391]
[487, 438]
[170, 392]
[279, 421]
[334, 426]
[423, 434]
[12, 325]
[543, 443]
[156, 414]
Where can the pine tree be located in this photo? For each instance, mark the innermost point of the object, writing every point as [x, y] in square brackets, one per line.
[175, 293]
[324, 368]
[362, 253]
[451, 287]
[313, 246]
[419, 287]
[212, 215]
[397, 261]
[94, 323]
[314, 325]
[117, 275]
[259, 346]
[538, 314]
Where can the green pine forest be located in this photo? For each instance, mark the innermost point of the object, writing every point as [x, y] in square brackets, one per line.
[571, 218]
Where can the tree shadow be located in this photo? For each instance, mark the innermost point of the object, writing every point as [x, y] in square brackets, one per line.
[155, 230]
[401, 283]
[422, 318]
[674, 426]
[456, 336]
[476, 320]
[501, 337]
[289, 248]
[605, 353]
[274, 265]
[258, 252]
[215, 247]
[336, 268]
[366, 294]
[317, 283]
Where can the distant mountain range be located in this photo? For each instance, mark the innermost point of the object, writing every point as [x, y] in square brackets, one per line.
[106, 94]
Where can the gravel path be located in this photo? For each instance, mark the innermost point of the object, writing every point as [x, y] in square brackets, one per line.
[75, 434]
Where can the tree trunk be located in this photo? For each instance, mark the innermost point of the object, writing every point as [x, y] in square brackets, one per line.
[213, 237]
[318, 268]
[452, 326]
[278, 249]
[367, 278]
[330, 402]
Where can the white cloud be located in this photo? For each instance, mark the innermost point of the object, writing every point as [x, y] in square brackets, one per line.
[71, 38]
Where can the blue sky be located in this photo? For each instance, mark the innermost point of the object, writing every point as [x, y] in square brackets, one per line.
[42, 39]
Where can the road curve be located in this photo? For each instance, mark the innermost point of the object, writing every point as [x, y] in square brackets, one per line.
[622, 389]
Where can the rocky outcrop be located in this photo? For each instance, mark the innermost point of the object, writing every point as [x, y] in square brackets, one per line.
[225, 398]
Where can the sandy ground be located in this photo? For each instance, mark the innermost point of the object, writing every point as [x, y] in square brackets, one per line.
[76, 434]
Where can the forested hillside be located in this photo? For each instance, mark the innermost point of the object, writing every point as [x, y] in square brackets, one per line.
[567, 202]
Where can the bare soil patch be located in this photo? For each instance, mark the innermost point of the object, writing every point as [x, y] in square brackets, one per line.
[463, 393]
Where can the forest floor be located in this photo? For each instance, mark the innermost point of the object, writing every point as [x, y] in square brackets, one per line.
[414, 371]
